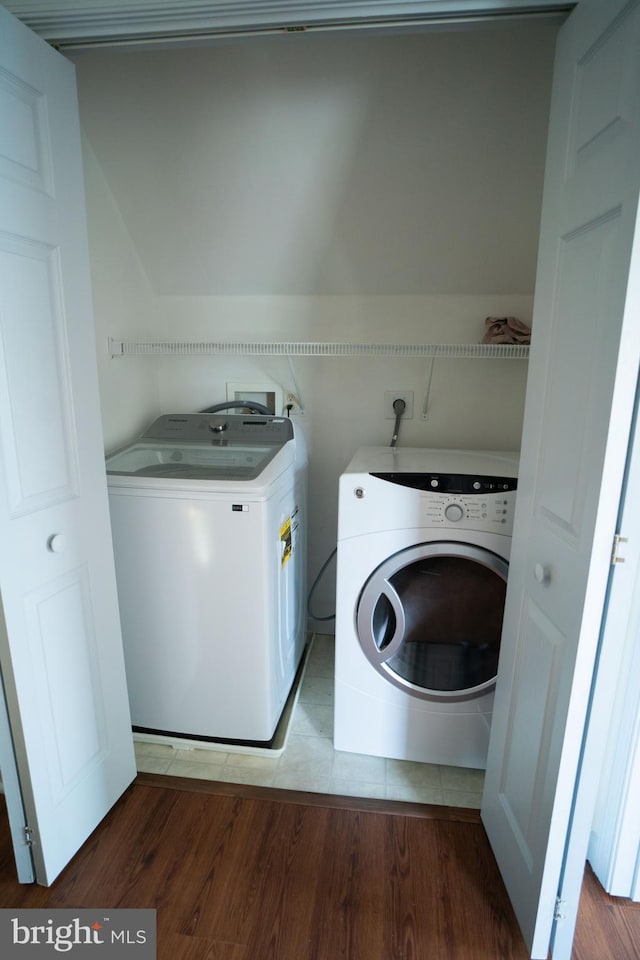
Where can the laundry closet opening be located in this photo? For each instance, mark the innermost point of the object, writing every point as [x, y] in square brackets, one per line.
[372, 188]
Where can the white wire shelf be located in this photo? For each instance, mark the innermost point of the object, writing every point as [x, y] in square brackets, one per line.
[207, 348]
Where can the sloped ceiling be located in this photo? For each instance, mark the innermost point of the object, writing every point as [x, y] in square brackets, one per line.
[346, 163]
[81, 22]
[328, 165]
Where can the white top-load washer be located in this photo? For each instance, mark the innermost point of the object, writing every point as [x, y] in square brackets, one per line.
[424, 538]
[208, 514]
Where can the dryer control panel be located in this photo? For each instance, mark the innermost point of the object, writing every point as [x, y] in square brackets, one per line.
[494, 510]
[464, 483]
[475, 502]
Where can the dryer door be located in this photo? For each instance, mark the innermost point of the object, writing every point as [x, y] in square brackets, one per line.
[429, 619]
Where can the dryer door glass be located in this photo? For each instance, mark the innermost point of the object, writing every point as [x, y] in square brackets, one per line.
[430, 619]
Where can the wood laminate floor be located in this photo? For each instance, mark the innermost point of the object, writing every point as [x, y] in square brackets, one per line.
[248, 873]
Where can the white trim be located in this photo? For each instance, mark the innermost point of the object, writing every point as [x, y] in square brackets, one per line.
[67, 22]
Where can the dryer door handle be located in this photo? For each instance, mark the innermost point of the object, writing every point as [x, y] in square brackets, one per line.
[366, 628]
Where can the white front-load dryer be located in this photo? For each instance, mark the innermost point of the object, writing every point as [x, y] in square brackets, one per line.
[424, 539]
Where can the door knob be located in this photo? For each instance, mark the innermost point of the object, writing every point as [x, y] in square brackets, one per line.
[542, 573]
[57, 543]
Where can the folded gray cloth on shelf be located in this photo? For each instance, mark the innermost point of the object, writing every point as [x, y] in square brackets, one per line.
[506, 330]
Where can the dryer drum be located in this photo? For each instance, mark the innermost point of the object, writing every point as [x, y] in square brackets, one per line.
[429, 619]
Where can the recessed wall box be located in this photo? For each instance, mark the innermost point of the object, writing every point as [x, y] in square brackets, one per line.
[268, 394]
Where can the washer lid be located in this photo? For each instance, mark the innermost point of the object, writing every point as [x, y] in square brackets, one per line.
[203, 446]
[191, 461]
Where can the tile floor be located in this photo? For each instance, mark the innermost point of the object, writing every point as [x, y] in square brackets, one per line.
[309, 761]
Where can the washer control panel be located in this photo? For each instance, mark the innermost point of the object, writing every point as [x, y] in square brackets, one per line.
[219, 427]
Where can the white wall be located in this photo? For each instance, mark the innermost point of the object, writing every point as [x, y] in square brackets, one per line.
[359, 189]
[122, 302]
[324, 165]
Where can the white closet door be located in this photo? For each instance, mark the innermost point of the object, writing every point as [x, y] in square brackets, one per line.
[61, 652]
[583, 369]
[614, 848]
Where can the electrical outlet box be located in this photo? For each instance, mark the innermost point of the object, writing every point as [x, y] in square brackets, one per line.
[390, 396]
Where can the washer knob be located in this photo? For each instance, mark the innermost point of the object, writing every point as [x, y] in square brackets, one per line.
[454, 512]
[218, 427]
